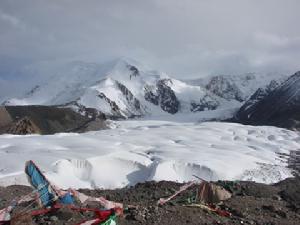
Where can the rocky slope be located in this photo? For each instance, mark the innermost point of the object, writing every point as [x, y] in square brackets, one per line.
[277, 105]
[47, 120]
[251, 203]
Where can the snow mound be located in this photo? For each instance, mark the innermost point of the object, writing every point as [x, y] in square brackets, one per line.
[181, 172]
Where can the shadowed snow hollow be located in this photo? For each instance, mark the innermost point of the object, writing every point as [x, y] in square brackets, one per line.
[141, 150]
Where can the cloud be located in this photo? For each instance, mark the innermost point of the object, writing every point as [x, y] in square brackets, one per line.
[11, 19]
[184, 38]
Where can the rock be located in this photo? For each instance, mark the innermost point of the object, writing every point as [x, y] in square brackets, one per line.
[205, 103]
[164, 96]
[268, 207]
[53, 218]
[43, 120]
[225, 88]
[276, 197]
[281, 213]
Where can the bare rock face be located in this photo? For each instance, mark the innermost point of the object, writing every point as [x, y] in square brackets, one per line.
[276, 105]
[135, 71]
[167, 97]
[205, 103]
[114, 107]
[133, 104]
[163, 96]
[151, 97]
[24, 126]
[223, 88]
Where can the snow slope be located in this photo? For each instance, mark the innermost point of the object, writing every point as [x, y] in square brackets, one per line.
[141, 150]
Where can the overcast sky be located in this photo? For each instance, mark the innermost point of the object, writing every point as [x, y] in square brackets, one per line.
[185, 38]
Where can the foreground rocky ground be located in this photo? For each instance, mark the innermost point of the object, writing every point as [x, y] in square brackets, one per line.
[251, 203]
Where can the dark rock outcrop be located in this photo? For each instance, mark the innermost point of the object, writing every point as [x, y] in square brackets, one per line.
[114, 107]
[134, 71]
[167, 97]
[163, 96]
[134, 102]
[151, 97]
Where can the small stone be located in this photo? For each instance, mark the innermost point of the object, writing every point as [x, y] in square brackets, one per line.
[276, 216]
[268, 207]
[281, 213]
[276, 197]
[53, 218]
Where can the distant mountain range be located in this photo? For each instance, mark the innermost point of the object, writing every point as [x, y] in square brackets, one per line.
[124, 89]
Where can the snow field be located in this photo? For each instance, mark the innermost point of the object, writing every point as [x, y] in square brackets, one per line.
[142, 150]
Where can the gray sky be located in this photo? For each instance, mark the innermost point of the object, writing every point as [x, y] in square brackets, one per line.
[186, 38]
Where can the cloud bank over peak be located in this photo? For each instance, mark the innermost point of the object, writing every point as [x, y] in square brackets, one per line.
[187, 39]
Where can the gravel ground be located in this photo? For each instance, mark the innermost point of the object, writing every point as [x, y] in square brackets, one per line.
[251, 203]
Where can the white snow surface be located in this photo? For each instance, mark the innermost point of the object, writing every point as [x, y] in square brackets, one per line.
[150, 149]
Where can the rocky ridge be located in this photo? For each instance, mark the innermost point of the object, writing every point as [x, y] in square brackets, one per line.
[125, 89]
[23, 120]
[277, 105]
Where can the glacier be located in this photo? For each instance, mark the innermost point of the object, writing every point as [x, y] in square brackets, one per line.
[151, 149]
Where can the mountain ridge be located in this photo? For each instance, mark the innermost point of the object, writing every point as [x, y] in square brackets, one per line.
[125, 88]
[279, 105]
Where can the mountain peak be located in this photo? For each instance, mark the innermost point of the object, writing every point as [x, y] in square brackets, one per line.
[123, 62]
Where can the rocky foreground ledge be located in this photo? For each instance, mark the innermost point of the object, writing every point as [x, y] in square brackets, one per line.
[251, 203]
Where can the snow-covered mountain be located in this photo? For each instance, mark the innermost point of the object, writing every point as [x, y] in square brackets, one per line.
[237, 87]
[278, 104]
[120, 89]
[125, 88]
